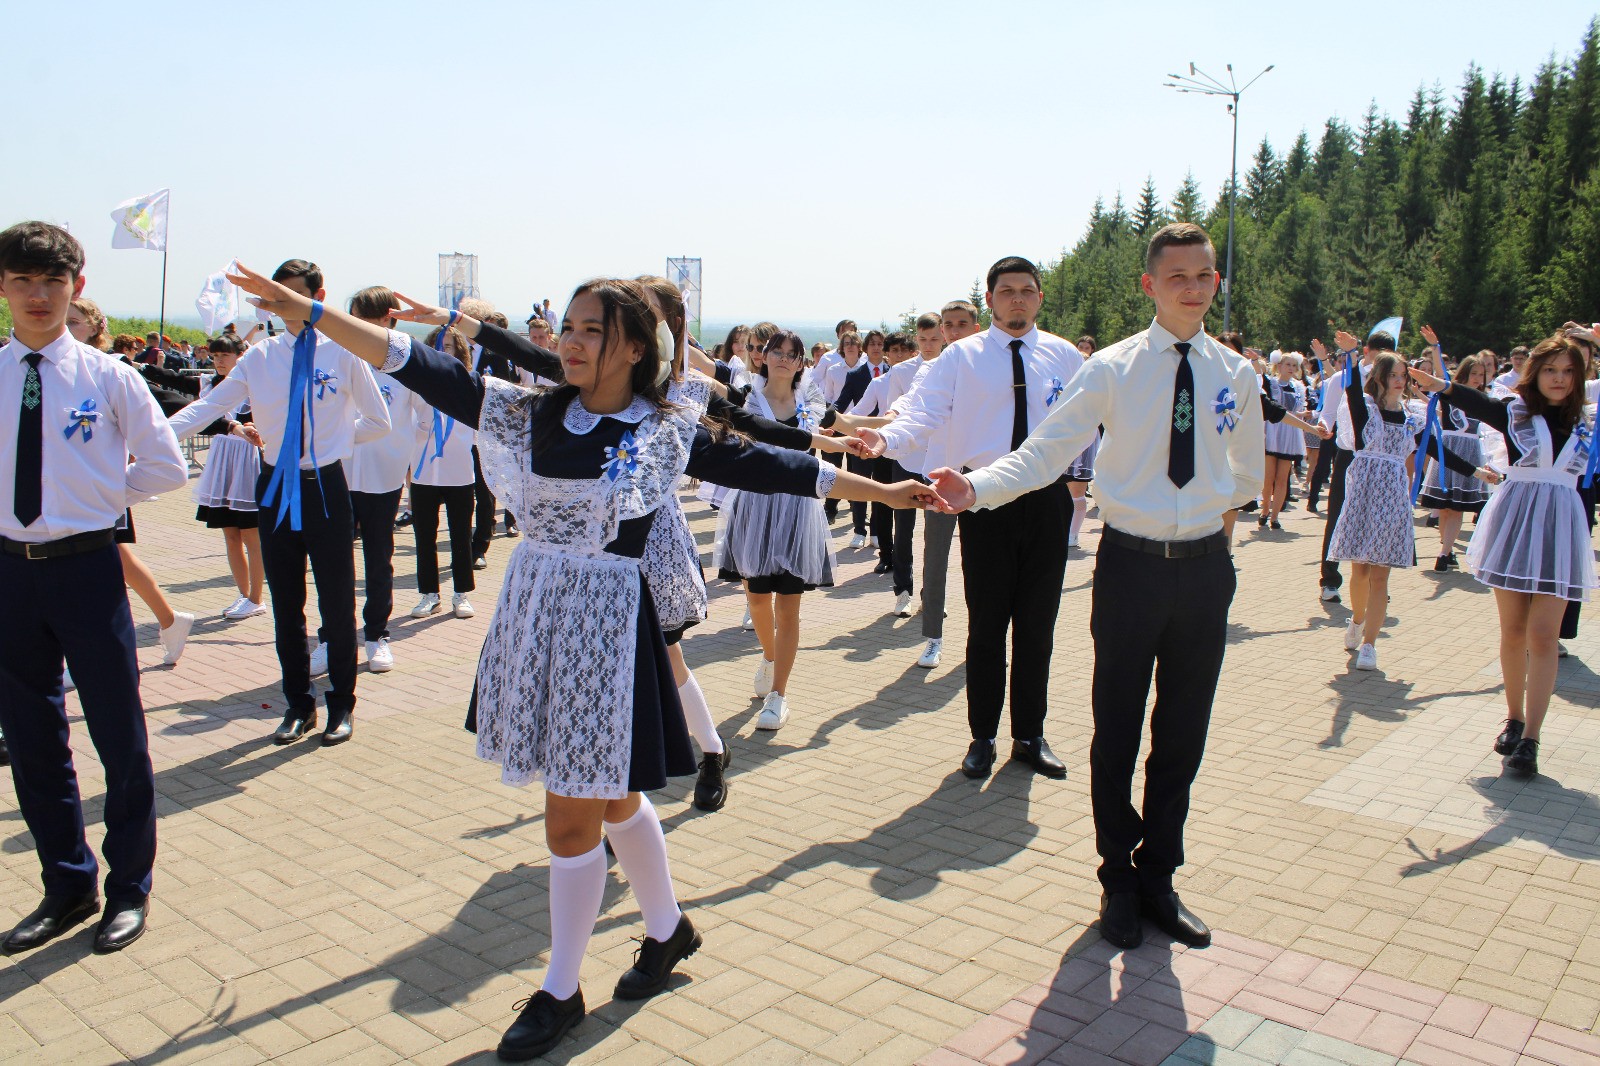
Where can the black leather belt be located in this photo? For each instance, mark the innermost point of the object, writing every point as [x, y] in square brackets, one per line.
[76, 544]
[1167, 549]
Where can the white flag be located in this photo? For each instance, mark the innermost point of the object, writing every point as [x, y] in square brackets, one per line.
[142, 222]
[219, 301]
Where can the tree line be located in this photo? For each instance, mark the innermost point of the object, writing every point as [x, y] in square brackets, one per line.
[1480, 215]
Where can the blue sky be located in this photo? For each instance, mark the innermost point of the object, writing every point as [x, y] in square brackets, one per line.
[826, 159]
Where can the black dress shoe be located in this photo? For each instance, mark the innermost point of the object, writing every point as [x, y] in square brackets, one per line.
[1119, 919]
[1524, 760]
[710, 790]
[1506, 742]
[655, 960]
[883, 568]
[541, 1025]
[122, 925]
[980, 759]
[5, 753]
[1176, 920]
[56, 914]
[1037, 754]
[341, 727]
[293, 728]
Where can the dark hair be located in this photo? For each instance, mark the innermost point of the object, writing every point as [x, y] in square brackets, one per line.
[1174, 235]
[785, 339]
[124, 344]
[226, 342]
[1232, 339]
[1381, 341]
[40, 248]
[841, 325]
[627, 317]
[900, 339]
[455, 343]
[1570, 412]
[850, 337]
[1378, 377]
[728, 349]
[967, 306]
[300, 268]
[1013, 264]
[1521, 349]
[871, 333]
[498, 318]
[1087, 338]
[927, 320]
[1465, 365]
[373, 302]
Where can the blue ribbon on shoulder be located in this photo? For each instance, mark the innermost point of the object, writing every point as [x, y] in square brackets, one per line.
[1432, 430]
[284, 485]
[82, 417]
[442, 426]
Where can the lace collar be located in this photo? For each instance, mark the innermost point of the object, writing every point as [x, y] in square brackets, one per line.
[580, 420]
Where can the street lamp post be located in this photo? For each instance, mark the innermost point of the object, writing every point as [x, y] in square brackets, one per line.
[1198, 81]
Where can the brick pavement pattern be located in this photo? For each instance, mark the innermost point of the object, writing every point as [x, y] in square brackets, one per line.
[861, 901]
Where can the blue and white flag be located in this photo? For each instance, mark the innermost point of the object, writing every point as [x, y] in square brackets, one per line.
[142, 222]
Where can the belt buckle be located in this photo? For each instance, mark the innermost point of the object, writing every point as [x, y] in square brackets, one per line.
[1167, 551]
[27, 552]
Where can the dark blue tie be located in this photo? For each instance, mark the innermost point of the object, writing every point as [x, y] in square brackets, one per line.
[1019, 397]
[27, 492]
[1180, 458]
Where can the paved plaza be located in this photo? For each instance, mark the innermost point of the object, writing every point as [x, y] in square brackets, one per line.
[1380, 894]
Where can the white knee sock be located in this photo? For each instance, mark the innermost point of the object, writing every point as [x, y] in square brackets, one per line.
[577, 884]
[642, 850]
[1080, 511]
[698, 717]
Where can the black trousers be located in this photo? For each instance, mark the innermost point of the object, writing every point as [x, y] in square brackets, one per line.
[1319, 472]
[1013, 560]
[1341, 463]
[484, 507]
[858, 508]
[1170, 616]
[894, 527]
[76, 607]
[457, 502]
[325, 540]
[374, 515]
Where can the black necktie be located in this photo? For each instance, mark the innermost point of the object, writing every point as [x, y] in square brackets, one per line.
[27, 492]
[1180, 459]
[1019, 397]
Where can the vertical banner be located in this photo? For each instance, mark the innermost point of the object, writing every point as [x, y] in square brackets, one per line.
[458, 278]
[685, 274]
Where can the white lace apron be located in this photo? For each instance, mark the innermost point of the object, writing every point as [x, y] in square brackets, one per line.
[671, 562]
[555, 682]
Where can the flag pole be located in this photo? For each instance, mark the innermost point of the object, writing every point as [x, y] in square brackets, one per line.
[161, 330]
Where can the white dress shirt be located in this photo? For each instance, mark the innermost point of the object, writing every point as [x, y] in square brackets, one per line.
[1127, 388]
[453, 468]
[829, 358]
[380, 464]
[349, 409]
[833, 377]
[85, 484]
[962, 412]
[915, 460]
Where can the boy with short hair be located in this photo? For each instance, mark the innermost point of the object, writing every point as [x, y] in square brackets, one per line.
[72, 418]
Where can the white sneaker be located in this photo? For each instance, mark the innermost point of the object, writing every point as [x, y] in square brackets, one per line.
[175, 636]
[1352, 636]
[858, 541]
[1072, 540]
[930, 654]
[379, 658]
[902, 605]
[480, 563]
[1367, 658]
[244, 607]
[747, 622]
[319, 660]
[429, 604]
[764, 677]
[774, 712]
[459, 604]
[1330, 595]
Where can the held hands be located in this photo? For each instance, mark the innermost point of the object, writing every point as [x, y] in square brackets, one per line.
[955, 491]
[903, 494]
[872, 443]
[1488, 475]
[1321, 430]
[1346, 340]
[249, 433]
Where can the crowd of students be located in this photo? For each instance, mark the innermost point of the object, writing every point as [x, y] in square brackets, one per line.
[587, 431]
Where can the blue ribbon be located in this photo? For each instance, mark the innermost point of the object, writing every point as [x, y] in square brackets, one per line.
[324, 380]
[623, 459]
[388, 396]
[1432, 430]
[1056, 389]
[442, 427]
[1586, 439]
[284, 485]
[82, 417]
[1223, 408]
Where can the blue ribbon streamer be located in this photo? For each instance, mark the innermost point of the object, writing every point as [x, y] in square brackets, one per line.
[284, 485]
[1432, 430]
[1593, 465]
